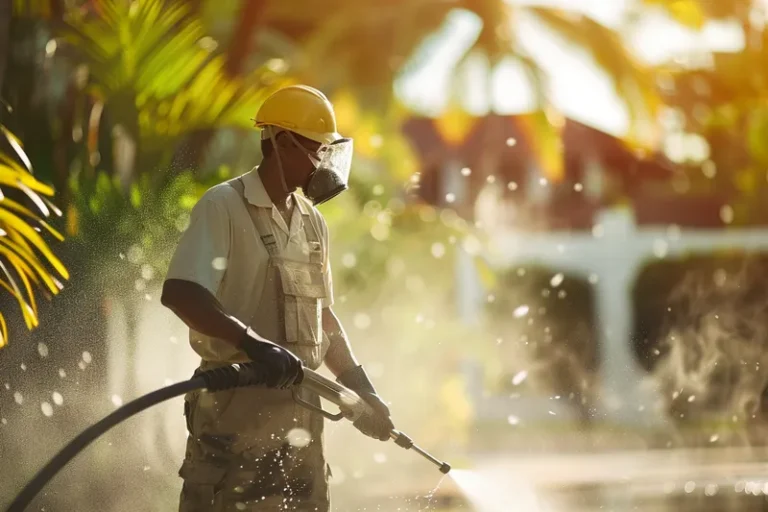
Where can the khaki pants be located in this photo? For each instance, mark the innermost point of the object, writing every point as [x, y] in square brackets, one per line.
[252, 449]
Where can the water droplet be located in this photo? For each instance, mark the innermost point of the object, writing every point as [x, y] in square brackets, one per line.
[117, 401]
[3, 421]
[240, 505]
[543, 182]
[520, 311]
[362, 321]
[726, 214]
[578, 187]
[710, 489]
[691, 398]
[513, 420]
[720, 277]
[491, 179]
[491, 298]
[62, 373]
[438, 250]
[147, 297]
[18, 398]
[552, 413]
[219, 263]
[466, 171]
[23, 367]
[135, 254]
[378, 190]
[511, 142]
[147, 272]
[87, 357]
[519, 378]
[471, 245]
[556, 280]
[713, 438]
[380, 458]
[709, 169]
[512, 185]
[593, 278]
[349, 260]
[689, 486]
[562, 294]
[50, 48]
[449, 197]
[380, 232]
[47, 409]
[57, 398]
[42, 349]
[298, 437]
[7, 385]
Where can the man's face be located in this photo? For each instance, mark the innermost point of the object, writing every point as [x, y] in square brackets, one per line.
[299, 156]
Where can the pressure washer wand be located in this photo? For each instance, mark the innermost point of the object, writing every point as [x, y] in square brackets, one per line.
[352, 407]
[406, 442]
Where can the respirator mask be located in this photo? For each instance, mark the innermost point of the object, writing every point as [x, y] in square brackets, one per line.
[332, 163]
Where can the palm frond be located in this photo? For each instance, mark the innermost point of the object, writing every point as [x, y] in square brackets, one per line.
[158, 53]
[25, 257]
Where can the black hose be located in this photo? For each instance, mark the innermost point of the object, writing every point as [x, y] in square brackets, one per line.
[226, 377]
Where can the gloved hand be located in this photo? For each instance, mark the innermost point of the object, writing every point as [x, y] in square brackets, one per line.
[378, 424]
[283, 368]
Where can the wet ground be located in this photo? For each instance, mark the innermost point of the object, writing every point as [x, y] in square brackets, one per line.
[710, 479]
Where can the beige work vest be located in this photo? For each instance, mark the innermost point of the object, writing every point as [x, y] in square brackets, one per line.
[246, 445]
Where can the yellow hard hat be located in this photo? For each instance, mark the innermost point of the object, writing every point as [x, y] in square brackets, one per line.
[300, 109]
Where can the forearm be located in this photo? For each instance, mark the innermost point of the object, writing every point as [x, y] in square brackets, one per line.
[201, 311]
[339, 357]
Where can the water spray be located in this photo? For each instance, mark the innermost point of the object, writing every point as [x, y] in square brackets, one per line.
[351, 406]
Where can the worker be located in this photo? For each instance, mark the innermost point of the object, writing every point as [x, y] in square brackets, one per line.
[251, 279]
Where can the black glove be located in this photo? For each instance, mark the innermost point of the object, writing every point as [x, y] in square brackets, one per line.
[283, 368]
[377, 424]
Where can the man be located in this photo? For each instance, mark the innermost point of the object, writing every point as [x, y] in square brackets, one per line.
[251, 278]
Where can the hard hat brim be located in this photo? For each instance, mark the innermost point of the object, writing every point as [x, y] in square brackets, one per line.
[321, 137]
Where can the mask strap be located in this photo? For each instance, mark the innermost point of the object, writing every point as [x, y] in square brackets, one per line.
[271, 134]
[314, 157]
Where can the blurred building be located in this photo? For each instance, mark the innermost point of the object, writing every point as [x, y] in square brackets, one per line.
[599, 171]
[610, 211]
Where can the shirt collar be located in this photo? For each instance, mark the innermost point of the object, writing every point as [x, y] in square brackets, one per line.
[255, 192]
[257, 195]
